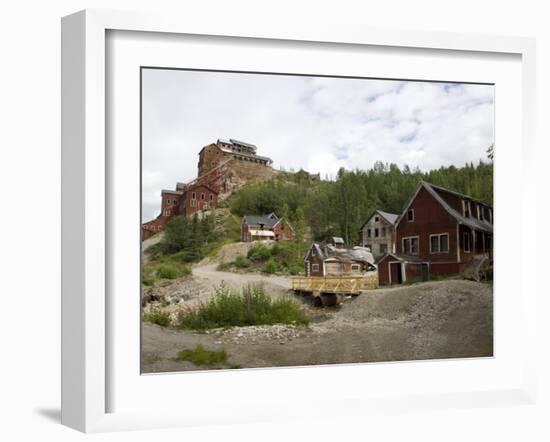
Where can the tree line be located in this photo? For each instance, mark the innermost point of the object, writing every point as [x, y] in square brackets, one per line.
[340, 207]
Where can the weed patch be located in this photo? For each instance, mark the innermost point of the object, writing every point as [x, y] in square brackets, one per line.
[250, 307]
[201, 356]
[157, 316]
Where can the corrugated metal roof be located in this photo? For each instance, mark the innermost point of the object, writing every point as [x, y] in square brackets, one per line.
[328, 251]
[256, 220]
[470, 222]
[242, 143]
[390, 217]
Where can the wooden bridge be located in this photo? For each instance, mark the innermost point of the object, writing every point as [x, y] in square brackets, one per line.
[330, 290]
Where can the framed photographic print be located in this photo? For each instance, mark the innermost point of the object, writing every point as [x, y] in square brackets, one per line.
[251, 217]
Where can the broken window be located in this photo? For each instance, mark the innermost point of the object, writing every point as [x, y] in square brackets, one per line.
[467, 242]
[368, 233]
[410, 215]
[376, 233]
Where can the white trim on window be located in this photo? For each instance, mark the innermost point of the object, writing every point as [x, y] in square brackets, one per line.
[315, 267]
[407, 252]
[439, 236]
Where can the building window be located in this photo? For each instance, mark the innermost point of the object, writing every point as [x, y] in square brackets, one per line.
[193, 202]
[355, 267]
[383, 231]
[410, 215]
[467, 208]
[383, 248]
[193, 196]
[376, 233]
[202, 196]
[410, 245]
[315, 267]
[211, 197]
[439, 243]
[368, 233]
[376, 219]
[467, 243]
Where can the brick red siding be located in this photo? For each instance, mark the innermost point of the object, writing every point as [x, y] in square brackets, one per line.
[429, 218]
[205, 199]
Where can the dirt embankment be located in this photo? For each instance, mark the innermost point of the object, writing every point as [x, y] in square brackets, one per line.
[443, 319]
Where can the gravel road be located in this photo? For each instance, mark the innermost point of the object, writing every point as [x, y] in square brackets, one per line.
[440, 319]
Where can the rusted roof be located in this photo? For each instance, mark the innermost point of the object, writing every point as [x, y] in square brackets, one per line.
[328, 251]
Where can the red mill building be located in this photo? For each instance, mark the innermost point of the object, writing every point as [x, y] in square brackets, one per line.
[223, 167]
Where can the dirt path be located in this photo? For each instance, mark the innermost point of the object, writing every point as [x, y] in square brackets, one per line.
[443, 319]
[212, 278]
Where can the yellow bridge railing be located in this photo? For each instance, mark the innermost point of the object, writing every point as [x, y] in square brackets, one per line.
[335, 284]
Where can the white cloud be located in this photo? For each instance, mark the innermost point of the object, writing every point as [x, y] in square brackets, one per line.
[319, 124]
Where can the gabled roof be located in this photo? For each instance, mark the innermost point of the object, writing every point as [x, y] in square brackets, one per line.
[389, 217]
[266, 220]
[470, 222]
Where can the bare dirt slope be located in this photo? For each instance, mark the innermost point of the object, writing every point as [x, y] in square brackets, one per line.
[444, 319]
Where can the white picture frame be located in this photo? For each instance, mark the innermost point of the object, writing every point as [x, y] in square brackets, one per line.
[85, 201]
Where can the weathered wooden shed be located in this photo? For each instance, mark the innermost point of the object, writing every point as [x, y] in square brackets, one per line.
[397, 269]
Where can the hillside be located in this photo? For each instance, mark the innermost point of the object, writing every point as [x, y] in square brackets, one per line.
[340, 206]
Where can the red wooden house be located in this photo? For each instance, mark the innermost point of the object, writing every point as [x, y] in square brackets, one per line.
[265, 227]
[439, 232]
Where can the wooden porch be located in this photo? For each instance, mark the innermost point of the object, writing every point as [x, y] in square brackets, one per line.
[335, 284]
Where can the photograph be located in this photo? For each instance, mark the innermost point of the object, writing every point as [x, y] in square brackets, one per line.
[302, 220]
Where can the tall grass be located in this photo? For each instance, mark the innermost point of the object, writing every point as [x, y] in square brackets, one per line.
[157, 316]
[251, 307]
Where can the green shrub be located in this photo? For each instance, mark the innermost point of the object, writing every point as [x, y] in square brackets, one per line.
[270, 266]
[259, 252]
[241, 262]
[157, 316]
[167, 272]
[173, 271]
[251, 307]
[200, 356]
[147, 279]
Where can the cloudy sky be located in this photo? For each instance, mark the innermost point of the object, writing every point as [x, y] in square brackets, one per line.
[318, 124]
